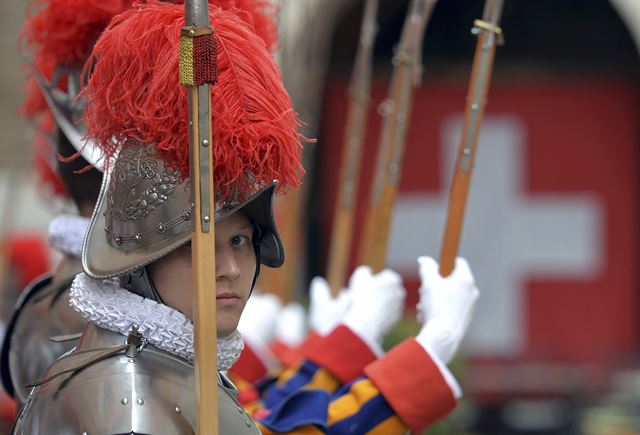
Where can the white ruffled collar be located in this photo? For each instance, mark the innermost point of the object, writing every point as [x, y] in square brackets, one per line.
[66, 233]
[105, 304]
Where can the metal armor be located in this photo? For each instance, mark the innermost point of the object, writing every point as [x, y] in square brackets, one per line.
[109, 385]
[144, 212]
[41, 313]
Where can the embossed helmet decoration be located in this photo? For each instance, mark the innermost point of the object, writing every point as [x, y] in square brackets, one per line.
[137, 114]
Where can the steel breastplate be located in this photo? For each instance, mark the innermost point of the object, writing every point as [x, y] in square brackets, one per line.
[43, 313]
[150, 393]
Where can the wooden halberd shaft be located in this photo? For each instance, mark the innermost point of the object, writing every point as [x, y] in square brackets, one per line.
[396, 112]
[488, 34]
[355, 131]
[203, 237]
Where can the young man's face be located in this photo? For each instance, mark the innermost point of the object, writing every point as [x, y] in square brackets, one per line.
[235, 269]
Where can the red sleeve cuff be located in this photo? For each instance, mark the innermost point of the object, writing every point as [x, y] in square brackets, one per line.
[290, 356]
[342, 353]
[286, 355]
[413, 385]
[249, 366]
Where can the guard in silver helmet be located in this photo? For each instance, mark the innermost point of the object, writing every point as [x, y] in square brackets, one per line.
[57, 38]
[131, 371]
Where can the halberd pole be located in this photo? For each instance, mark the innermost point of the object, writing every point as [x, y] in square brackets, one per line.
[489, 34]
[396, 111]
[355, 131]
[198, 72]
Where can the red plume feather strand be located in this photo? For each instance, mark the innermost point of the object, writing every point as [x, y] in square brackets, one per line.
[133, 93]
[260, 14]
[65, 30]
[62, 33]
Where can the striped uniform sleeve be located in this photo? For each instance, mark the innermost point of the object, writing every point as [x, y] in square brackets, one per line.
[340, 356]
[289, 356]
[342, 353]
[357, 408]
[332, 361]
[385, 401]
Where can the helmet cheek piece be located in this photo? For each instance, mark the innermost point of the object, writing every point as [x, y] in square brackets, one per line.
[139, 282]
[256, 239]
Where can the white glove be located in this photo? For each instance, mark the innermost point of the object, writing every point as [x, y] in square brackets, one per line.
[291, 325]
[258, 319]
[446, 306]
[325, 311]
[378, 301]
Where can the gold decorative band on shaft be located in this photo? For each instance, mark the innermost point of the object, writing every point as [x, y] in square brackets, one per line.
[194, 31]
[198, 55]
[186, 61]
[480, 24]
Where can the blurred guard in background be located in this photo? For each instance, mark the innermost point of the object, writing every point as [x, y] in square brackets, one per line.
[57, 38]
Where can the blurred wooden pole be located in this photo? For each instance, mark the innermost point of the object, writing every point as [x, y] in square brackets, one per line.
[488, 33]
[396, 110]
[355, 131]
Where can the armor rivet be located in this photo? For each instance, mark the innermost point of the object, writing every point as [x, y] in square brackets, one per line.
[393, 168]
[192, 32]
[186, 215]
[107, 229]
[240, 409]
[84, 433]
[178, 410]
[466, 151]
[207, 219]
[205, 143]
[118, 240]
[248, 423]
[475, 107]
[160, 228]
[140, 401]
[138, 238]
[124, 401]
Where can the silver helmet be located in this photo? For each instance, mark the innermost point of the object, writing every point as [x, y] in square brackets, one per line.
[144, 213]
[67, 108]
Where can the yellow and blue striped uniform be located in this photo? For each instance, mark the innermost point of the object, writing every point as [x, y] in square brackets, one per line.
[316, 396]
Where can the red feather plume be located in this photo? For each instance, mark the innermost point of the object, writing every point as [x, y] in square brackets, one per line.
[61, 33]
[133, 93]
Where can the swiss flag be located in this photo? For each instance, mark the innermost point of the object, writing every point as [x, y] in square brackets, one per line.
[551, 229]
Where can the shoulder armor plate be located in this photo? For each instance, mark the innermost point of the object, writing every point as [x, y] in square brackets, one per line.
[150, 393]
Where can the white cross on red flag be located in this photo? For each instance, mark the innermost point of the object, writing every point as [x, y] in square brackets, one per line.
[551, 228]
